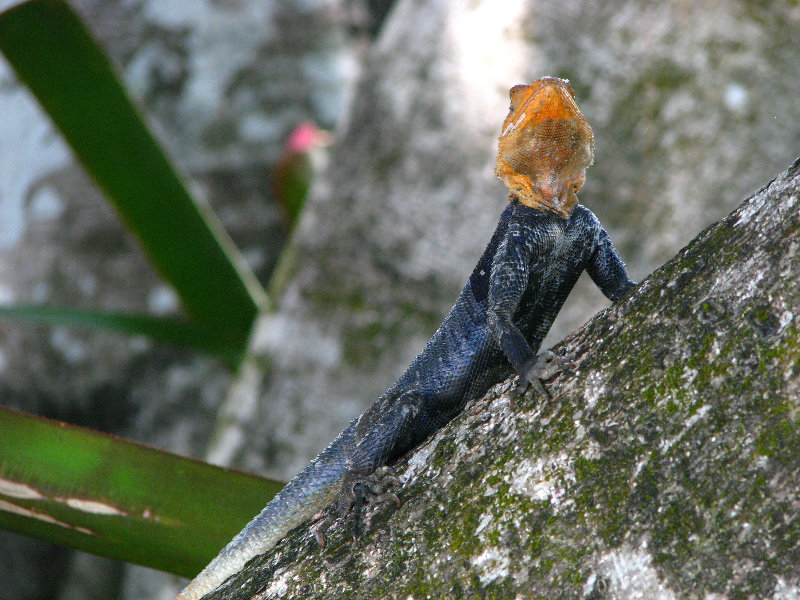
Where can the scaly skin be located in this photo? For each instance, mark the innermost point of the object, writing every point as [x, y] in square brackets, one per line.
[542, 244]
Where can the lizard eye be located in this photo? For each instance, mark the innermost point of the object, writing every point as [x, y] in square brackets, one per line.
[577, 183]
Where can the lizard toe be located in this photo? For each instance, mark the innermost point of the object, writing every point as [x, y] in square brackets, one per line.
[371, 489]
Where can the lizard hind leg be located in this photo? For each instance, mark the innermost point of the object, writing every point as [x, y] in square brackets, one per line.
[381, 434]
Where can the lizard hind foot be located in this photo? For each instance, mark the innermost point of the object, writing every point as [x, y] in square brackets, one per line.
[379, 485]
[357, 492]
[372, 489]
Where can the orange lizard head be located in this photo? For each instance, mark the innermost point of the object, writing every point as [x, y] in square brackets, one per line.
[545, 146]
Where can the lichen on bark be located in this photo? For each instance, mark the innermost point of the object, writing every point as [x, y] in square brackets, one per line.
[664, 466]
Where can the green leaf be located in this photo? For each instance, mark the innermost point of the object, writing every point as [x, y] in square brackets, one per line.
[119, 499]
[160, 329]
[56, 57]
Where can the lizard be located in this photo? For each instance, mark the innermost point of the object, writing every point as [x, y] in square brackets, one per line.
[543, 241]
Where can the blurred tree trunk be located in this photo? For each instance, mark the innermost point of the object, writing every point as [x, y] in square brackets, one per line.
[664, 467]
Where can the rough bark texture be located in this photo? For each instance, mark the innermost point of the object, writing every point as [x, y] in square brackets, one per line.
[691, 103]
[664, 467]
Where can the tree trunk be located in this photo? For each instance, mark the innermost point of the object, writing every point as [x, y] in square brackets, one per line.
[665, 465]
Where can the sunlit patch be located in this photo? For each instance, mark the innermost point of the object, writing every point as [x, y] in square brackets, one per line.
[512, 126]
[485, 51]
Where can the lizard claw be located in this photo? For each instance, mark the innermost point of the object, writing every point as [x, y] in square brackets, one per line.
[379, 483]
[547, 364]
[373, 489]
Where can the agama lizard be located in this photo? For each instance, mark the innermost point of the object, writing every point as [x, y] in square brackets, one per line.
[543, 242]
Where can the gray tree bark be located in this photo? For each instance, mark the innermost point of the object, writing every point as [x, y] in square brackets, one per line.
[665, 466]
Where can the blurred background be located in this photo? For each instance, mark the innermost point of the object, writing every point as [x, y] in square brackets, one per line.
[394, 107]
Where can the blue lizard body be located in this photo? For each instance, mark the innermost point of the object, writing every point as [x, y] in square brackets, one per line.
[504, 312]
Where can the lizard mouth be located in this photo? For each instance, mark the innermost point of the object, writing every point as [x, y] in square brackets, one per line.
[553, 194]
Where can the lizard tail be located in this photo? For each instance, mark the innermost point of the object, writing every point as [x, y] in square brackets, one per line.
[308, 492]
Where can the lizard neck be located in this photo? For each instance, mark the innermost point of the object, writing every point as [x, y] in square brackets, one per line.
[520, 207]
